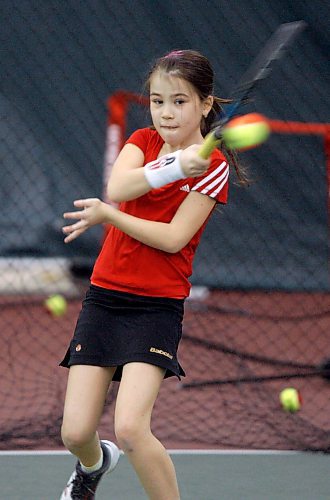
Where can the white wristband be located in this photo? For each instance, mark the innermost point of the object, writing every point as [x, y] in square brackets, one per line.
[164, 170]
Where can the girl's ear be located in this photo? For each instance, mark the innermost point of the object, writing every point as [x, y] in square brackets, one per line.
[207, 105]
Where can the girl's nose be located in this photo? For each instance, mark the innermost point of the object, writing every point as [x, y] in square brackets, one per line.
[167, 112]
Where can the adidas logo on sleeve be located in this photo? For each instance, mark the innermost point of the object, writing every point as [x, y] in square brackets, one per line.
[185, 188]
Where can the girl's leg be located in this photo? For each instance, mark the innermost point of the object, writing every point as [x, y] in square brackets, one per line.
[137, 393]
[85, 397]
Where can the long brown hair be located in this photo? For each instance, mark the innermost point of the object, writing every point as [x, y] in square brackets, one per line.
[196, 69]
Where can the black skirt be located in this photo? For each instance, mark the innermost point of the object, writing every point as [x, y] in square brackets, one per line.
[115, 328]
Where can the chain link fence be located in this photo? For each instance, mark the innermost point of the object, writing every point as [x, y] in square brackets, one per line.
[259, 316]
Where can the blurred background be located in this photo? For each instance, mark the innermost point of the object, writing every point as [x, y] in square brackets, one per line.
[258, 319]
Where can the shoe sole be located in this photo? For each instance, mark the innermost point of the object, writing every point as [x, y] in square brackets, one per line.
[114, 452]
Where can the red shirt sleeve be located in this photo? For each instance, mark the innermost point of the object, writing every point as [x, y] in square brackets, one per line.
[214, 182]
[139, 138]
[149, 141]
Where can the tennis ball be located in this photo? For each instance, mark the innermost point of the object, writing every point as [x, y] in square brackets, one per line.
[290, 399]
[246, 132]
[56, 305]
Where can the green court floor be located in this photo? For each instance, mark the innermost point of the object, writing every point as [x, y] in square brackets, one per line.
[202, 476]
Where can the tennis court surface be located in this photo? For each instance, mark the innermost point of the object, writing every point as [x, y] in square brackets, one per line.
[212, 475]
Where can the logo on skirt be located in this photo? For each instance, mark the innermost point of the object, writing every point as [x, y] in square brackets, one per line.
[160, 351]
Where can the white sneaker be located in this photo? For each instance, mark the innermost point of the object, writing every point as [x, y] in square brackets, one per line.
[83, 486]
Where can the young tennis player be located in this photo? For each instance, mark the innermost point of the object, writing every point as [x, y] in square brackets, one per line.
[130, 324]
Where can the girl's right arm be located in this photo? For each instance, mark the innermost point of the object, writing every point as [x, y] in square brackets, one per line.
[127, 180]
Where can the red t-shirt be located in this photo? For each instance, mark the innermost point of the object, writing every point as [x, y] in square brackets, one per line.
[127, 265]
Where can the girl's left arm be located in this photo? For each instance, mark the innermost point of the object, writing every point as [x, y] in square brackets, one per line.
[169, 237]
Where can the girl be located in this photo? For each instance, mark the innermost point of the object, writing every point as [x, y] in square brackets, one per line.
[130, 324]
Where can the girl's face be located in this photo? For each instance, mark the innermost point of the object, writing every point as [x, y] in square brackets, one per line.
[176, 110]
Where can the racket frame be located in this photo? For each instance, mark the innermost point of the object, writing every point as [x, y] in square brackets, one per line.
[258, 70]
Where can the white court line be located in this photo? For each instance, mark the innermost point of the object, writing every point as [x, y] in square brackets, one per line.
[171, 452]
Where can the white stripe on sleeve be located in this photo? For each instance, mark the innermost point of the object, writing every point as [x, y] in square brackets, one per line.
[213, 187]
[218, 189]
[210, 176]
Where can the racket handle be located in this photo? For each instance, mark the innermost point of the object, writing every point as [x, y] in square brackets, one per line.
[210, 143]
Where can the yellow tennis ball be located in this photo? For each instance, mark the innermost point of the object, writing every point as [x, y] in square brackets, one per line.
[290, 399]
[56, 305]
[246, 132]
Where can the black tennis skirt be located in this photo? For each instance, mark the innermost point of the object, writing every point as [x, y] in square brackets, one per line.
[115, 328]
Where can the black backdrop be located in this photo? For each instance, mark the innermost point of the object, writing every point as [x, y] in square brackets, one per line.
[61, 60]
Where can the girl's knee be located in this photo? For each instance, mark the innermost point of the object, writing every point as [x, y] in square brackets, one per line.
[129, 434]
[74, 437]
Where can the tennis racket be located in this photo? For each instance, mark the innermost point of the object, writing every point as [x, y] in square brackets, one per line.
[257, 71]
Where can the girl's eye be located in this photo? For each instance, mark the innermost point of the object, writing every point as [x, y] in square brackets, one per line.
[179, 101]
[157, 101]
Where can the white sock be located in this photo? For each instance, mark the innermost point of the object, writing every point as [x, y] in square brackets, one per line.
[93, 468]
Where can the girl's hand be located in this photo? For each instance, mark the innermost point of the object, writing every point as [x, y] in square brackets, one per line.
[94, 211]
[191, 163]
